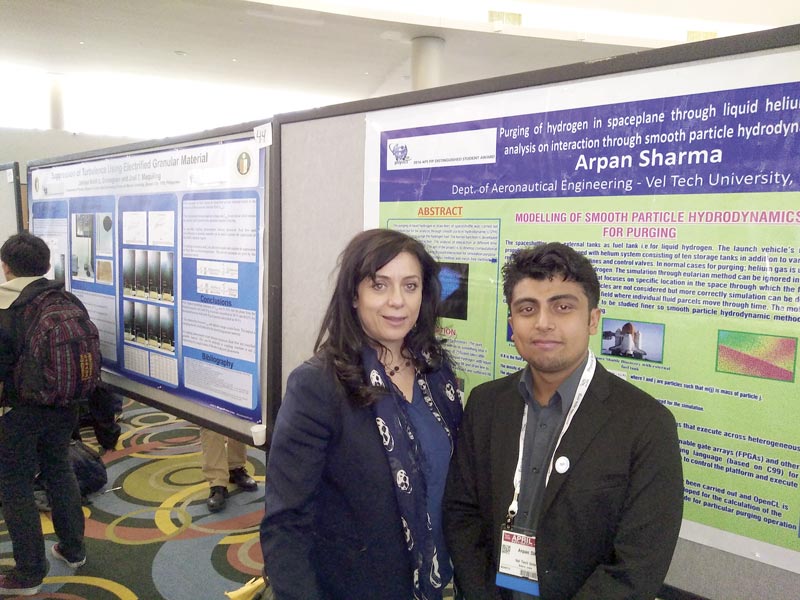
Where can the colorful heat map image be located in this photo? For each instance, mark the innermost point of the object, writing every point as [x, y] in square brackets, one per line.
[766, 356]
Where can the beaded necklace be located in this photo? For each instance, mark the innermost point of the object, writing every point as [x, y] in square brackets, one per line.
[391, 372]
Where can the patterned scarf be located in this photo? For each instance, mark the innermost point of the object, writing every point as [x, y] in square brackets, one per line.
[405, 460]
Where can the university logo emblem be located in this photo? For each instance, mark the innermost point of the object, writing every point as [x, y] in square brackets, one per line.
[243, 163]
[400, 152]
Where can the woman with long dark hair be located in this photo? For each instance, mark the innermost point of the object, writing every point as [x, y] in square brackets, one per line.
[363, 438]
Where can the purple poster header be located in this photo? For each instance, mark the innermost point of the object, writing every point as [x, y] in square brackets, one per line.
[733, 141]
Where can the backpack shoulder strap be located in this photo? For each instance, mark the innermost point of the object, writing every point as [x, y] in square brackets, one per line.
[28, 315]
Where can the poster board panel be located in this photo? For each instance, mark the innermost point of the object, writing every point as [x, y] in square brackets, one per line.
[681, 184]
[748, 566]
[167, 247]
[10, 203]
[319, 219]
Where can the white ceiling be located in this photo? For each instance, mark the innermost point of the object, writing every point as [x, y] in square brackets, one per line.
[340, 55]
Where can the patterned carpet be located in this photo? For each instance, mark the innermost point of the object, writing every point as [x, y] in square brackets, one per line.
[149, 534]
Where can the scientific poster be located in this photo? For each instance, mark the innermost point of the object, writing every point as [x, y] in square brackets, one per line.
[682, 185]
[165, 250]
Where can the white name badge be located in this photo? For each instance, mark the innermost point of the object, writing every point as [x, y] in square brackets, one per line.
[517, 569]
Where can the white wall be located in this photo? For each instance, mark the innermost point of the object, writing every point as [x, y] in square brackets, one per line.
[25, 145]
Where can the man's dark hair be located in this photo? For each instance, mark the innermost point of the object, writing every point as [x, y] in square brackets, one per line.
[546, 261]
[26, 255]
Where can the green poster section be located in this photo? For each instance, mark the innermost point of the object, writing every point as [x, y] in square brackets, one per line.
[712, 305]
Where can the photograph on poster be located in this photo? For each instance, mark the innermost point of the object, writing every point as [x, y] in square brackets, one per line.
[83, 248]
[167, 328]
[166, 281]
[756, 355]
[105, 271]
[149, 325]
[105, 234]
[58, 263]
[140, 277]
[633, 339]
[129, 326]
[140, 322]
[148, 274]
[153, 326]
[454, 278]
[128, 266]
[154, 274]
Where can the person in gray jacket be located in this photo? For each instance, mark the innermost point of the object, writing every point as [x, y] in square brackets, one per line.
[32, 437]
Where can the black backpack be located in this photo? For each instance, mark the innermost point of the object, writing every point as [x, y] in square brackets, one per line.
[90, 471]
[58, 350]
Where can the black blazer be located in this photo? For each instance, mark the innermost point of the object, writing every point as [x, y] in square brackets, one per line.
[331, 528]
[608, 525]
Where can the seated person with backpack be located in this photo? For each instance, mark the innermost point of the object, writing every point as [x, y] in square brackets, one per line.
[41, 382]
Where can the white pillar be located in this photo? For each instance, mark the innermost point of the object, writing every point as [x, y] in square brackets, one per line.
[56, 103]
[426, 62]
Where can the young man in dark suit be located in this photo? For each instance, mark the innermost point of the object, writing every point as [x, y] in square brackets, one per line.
[567, 481]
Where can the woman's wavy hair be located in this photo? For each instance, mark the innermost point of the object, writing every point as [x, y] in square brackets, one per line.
[342, 337]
